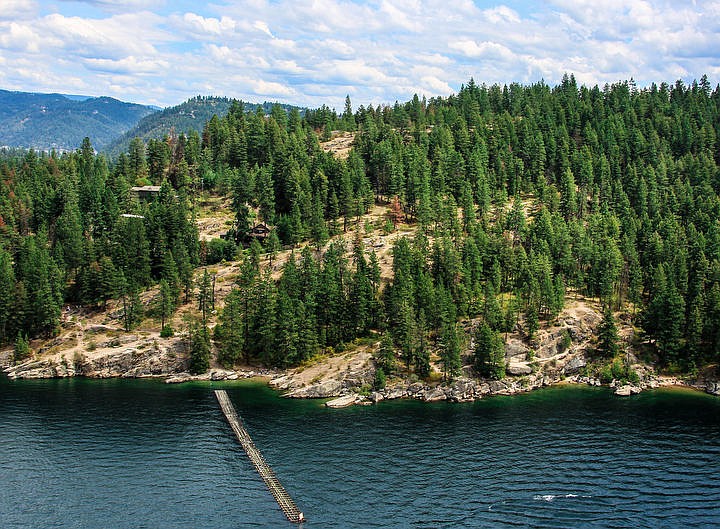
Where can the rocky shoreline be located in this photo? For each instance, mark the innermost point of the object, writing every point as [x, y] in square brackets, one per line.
[345, 389]
[346, 379]
[468, 390]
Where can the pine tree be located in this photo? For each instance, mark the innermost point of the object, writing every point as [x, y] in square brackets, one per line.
[132, 305]
[7, 291]
[347, 117]
[608, 338]
[43, 285]
[165, 303]
[531, 321]
[385, 358]
[199, 348]
[272, 245]
[22, 348]
[489, 353]
[450, 351]
[205, 295]
[395, 214]
[229, 331]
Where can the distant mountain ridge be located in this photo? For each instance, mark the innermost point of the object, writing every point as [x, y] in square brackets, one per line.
[61, 121]
[57, 121]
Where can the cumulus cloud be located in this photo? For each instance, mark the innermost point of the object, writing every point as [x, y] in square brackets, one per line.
[501, 14]
[18, 9]
[313, 52]
[262, 26]
[485, 50]
[20, 37]
[198, 26]
[123, 6]
[271, 89]
[113, 37]
[128, 65]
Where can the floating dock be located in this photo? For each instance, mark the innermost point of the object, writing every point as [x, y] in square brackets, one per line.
[283, 499]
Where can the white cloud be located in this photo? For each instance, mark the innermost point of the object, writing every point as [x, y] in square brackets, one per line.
[316, 51]
[113, 37]
[501, 14]
[265, 88]
[337, 47]
[262, 26]
[18, 9]
[128, 65]
[435, 85]
[200, 26]
[485, 50]
[123, 6]
[400, 17]
[20, 37]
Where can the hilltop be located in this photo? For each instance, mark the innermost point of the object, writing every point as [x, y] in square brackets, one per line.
[191, 115]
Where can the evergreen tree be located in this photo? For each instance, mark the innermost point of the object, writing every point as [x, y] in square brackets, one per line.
[531, 321]
[22, 348]
[489, 353]
[385, 359]
[43, 285]
[199, 348]
[165, 303]
[450, 351]
[7, 291]
[272, 246]
[229, 331]
[608, 338]
[133, 311]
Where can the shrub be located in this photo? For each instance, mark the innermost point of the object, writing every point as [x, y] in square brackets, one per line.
[566, 341]
[22, 348]
[219, 249]
[380, 380]
[619, 371]
[166, 332]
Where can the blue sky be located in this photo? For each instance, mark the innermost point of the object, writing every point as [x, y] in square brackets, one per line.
[313, 52]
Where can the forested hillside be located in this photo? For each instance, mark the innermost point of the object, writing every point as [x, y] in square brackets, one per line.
[516, 196]
[180, 119]
[56, 121]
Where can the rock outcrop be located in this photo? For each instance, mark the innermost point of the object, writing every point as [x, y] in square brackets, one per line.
[147, 359]
[627, 390]
[343, 402]
[336, 377]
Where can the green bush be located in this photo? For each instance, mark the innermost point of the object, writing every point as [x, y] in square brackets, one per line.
[166, 332]
[380, 380]
[619, 371]
[605, 375]
[566, 341]
[219, 249]
[22, 348]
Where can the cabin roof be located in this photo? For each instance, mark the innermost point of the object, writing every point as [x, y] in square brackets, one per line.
[145, 189]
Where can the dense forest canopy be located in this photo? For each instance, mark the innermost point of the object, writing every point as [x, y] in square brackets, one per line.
[520, 195]
[183, 118]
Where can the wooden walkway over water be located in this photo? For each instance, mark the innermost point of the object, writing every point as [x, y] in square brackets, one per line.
[266, 473]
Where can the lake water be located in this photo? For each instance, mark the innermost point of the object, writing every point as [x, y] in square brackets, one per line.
[141, 454]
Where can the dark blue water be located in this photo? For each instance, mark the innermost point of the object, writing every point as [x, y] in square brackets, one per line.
[140, 454]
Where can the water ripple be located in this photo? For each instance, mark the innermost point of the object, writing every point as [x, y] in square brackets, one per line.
[140, 454]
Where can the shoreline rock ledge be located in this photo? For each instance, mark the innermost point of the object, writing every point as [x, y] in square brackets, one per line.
[627, 390]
